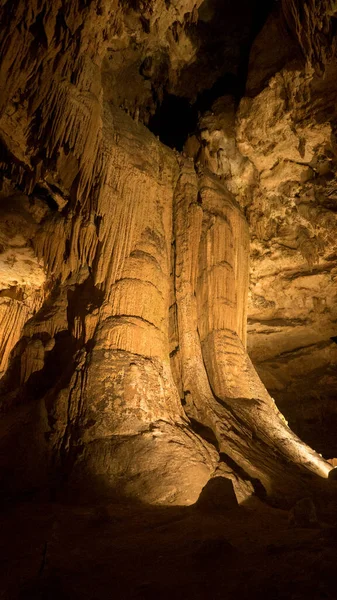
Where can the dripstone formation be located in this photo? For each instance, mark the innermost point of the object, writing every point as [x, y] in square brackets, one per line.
[124, 264]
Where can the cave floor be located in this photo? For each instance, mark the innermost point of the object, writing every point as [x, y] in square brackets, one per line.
[58, 551]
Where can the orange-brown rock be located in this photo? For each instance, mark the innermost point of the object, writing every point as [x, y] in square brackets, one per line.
[125, 269]
[287, 132]
[277, 155]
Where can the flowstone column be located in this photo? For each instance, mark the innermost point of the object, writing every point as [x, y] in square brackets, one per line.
[221, 387]
[143, 332]
[135, 438]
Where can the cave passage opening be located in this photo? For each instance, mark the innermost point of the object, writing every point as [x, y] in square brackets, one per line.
[176, 118]
[223, 35]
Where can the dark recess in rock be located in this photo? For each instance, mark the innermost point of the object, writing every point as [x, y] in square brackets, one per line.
[220, 67]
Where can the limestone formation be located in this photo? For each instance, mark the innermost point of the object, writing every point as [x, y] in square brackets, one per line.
[277, 156]
[287, 132]
[124, 266]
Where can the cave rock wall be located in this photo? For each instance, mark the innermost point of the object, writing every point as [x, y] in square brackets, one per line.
[124, 276]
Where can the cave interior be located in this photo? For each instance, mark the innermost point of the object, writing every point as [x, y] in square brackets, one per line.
[168, 299]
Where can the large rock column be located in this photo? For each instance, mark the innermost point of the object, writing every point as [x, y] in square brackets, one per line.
[221, 387]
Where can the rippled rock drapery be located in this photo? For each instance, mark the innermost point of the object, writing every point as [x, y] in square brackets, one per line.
[288, 132]
[130, 280]
[277, 154]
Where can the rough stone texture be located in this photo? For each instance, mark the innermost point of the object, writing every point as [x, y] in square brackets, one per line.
[313, 24]
[22, 276]
[115, 416]
[288, 133]
[55, 550]
[127, 364]
[182, 48]
[277, 155]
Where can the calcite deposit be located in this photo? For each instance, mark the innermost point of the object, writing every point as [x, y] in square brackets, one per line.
[277, 154]
[124, 264]
[287, 132]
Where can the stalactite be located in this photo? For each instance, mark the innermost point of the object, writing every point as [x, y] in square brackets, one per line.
[13, 315]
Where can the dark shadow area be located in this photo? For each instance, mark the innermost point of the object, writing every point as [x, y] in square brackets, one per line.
[127, 550]
[217, 495]
[31, 407]
[176, 118]
[318, 427]
[256, 483]
[173, 121]
[228, 84]
[81, 301]
[205, 432]
[223, 37]
[45, 192]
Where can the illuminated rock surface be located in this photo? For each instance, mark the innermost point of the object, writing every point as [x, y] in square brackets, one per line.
[124, 265]
[277, 155]
[149, 207]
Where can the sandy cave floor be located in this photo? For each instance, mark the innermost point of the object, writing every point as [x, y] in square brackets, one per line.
[124, 551]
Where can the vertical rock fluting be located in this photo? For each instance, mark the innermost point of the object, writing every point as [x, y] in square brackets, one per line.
[286, 127]
[135, 431]
[222, 389]
[277, 154]
[141, 270]
[109, 408]
[22, 277]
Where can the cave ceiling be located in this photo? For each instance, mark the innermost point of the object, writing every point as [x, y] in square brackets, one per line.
[185, 57]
